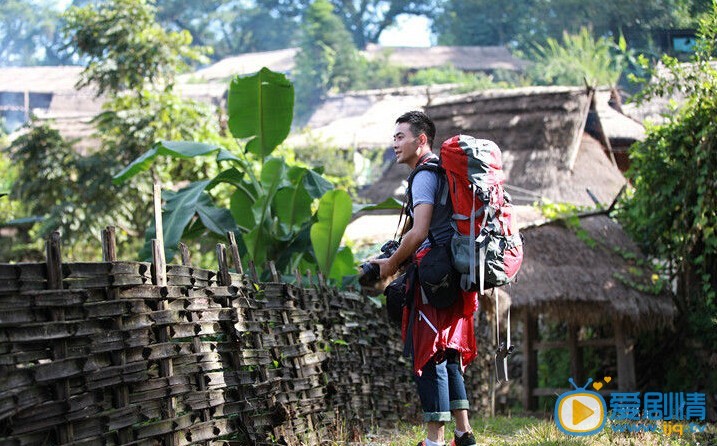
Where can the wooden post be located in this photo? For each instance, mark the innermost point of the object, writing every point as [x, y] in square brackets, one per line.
[576, 353]
[119, 357]
[224, 279]
[625, 358]
[160, 263]
[235, 252]
[184, 252]
[65, 432]
[530, 361]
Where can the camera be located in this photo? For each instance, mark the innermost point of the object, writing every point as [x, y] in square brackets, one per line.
[370, 272]
[501, 361]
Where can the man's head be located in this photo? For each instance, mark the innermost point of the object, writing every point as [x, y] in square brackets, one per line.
[413, 137]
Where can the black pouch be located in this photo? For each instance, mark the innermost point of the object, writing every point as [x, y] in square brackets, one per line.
[396, 299]
[440, 282]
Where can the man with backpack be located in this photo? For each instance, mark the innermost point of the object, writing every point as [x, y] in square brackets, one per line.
[437, 326]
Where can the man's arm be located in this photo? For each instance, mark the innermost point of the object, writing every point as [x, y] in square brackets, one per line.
[411, 241]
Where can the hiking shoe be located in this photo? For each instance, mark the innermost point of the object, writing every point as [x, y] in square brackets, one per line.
[467, 439]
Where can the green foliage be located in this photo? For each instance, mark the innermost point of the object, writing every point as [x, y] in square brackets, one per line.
[450, 75]
[376, 73]
[270, 202]
[29, 34]
[568, 213]
[333, 216]
[671, 211]
[270, 93]
[124, 47]
[231, 27]
[578, 59]
[326, 58]
[521, 24]
[68, 190]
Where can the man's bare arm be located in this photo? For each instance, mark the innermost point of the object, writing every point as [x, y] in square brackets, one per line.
[411, 241]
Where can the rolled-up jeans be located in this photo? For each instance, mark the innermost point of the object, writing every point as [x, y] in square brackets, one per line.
[441, 387]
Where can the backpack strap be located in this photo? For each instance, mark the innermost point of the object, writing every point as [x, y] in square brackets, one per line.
[431, 163]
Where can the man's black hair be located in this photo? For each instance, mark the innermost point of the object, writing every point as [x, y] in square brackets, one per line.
[419, 122]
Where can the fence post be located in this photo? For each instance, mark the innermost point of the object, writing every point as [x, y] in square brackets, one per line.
[119, 357]
[65, 432]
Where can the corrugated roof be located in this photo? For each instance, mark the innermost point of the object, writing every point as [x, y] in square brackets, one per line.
[39, 79]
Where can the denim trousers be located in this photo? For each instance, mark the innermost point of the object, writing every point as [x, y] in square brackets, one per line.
[441, 387]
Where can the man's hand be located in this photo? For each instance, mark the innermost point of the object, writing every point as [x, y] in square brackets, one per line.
[386, 267]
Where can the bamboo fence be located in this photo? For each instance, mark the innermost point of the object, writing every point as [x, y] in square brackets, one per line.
[115, 352]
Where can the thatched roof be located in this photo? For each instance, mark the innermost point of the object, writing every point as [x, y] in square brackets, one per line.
[280, 60]
[570, 281]
[363, 119]
[540, 131]
[39, 79]
[466, 58]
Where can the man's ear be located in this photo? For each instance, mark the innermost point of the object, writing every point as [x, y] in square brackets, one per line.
[423, 139]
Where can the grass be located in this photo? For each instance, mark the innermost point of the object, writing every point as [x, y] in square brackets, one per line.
[527, 431]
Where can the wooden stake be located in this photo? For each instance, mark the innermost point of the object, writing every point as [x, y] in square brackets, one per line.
[235, 252]
[160, 263]
[184, 251]
[274, 273]
[109, 244]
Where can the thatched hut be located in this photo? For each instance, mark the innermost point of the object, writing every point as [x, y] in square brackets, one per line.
[593, 275]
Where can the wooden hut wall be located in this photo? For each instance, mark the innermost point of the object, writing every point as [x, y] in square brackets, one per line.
[110, 358]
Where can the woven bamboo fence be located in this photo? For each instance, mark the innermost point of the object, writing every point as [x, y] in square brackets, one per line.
[100, 353]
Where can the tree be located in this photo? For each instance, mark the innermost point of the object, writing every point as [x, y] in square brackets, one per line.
[124, 48]
[327, 58]
[232, 27]
[366, 20]
[522, 23]
[29, 34]
[133, 62]
[578, 59]
[672, 210]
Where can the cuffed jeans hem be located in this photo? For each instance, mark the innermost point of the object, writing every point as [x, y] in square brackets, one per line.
[436, 416]
[460, 405]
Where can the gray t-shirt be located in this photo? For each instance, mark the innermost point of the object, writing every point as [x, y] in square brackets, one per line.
[425, 189]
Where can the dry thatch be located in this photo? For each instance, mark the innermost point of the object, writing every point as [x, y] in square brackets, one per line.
[39, 79]
[540, 131]
[570, 281]
[466, 58]
[279, 60]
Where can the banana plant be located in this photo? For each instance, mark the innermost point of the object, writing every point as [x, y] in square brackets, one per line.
[270, 207]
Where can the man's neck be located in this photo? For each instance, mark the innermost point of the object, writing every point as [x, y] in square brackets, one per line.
[424, 152]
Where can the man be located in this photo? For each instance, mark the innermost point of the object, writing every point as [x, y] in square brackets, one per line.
[441, 341]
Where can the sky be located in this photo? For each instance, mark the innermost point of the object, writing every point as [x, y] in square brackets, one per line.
[409, 30]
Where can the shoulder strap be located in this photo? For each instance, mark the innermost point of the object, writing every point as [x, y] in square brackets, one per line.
[428, 162]
[431, 163]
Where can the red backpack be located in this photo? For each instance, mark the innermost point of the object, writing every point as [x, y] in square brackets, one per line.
[487, 248]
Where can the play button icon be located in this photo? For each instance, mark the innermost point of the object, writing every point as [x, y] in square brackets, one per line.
[580, 412]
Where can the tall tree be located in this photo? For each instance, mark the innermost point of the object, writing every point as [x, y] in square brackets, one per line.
[327, 57]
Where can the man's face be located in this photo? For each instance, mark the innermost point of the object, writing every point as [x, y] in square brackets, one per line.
[405, 144]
